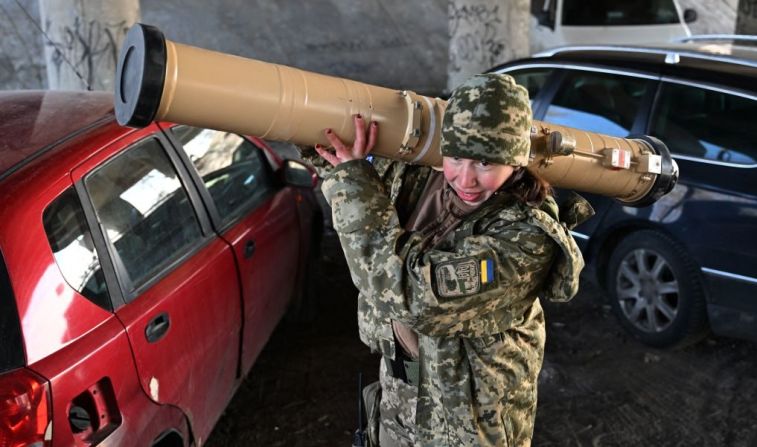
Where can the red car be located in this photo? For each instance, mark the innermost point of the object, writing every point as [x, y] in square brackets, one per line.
[141, 271]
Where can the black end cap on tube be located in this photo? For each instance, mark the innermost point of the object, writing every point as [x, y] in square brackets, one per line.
[140, 76]
[666, 180]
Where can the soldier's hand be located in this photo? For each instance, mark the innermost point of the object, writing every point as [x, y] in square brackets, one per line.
[365, 139]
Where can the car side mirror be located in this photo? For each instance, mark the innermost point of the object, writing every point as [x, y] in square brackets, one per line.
[297, 173]
[690, 15]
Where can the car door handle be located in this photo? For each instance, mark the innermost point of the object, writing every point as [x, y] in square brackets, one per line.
[249, 249]
[157, 328]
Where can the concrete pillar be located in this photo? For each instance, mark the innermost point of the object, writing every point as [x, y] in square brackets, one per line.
[484, 33]
[21, 65]
[713, 16]
[84, 38]
[746, 20]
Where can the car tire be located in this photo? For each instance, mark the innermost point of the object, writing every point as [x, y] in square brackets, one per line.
[656, 290]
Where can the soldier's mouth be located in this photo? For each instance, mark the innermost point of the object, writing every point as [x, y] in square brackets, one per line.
[470, 197]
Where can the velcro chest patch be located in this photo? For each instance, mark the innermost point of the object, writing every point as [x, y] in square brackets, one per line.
[462, 277]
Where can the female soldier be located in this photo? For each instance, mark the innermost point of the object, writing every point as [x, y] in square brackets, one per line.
[449, 268]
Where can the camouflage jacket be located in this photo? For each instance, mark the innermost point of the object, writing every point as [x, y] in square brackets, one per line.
[471, 298]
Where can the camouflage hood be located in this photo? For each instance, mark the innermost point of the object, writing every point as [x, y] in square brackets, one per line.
[562, 283]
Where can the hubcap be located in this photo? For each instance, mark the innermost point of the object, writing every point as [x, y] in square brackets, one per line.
[647, 290]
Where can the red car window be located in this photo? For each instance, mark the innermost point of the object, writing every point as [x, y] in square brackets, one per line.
[71, 241]
[231, 167]
[145, 212]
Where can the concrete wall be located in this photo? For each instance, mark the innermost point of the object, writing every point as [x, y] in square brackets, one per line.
[484, 33]
[747, 21]
[714, 16]
[21, 60]
[82, 41]
[395, 43]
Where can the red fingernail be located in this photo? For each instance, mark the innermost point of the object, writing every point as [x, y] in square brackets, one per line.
[359, 116]
[318, 146]
[374, 124]
[328, 130]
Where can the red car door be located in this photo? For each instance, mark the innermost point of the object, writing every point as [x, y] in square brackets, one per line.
[181, 295]
[267, 275]
[256, 216]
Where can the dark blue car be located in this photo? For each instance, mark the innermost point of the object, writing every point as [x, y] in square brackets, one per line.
[688, 263]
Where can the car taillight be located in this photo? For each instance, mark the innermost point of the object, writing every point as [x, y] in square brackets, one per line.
[24, 409]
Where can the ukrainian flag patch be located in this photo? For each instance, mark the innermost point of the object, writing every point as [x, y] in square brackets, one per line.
[487, 271]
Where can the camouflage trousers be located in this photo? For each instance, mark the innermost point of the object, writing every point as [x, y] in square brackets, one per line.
[388, 439]
[390, 406]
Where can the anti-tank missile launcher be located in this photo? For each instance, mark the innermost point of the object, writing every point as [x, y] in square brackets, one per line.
[158, 79]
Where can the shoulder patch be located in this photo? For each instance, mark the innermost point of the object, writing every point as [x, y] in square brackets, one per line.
[458, 277]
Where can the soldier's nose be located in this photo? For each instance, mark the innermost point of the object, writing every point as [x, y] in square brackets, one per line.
[467, 178]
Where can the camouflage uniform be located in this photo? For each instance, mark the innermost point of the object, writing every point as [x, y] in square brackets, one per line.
[471, 297]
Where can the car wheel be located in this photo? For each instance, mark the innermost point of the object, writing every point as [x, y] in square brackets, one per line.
[656, 290]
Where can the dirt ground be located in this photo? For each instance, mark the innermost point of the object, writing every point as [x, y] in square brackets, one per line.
[598, 387]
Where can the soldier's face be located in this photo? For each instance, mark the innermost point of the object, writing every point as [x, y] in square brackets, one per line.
[474, 181]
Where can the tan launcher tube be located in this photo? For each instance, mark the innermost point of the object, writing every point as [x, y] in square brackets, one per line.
[158, 79]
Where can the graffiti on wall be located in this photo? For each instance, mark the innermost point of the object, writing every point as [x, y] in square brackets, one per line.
[88, 47]
[475, 40]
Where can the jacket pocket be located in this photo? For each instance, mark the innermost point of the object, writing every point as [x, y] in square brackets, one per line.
[372, 401]
[398, 407]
